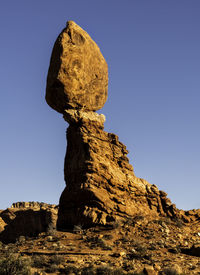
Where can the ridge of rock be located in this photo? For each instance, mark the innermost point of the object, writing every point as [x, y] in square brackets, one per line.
[32, 204]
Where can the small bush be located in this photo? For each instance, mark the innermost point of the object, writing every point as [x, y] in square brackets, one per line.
[139, 250]
[104, 271]
[39, 261]
[108, 237]
[138, 218]
[170, 271]
[51, 229]
[118, 272]
[129, 222]
[133, 273]
[77, 229]
[88, 271]
[70, 269]
[13, 264]
[178, 222]
[124, 240]
[116, 224]
[22, 239]
[52, 268]
[57, 259]
[165, 220]
[95, 242]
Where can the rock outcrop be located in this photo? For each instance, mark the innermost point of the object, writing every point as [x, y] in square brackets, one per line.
[78, 72]
[26, 219]
[32, 205]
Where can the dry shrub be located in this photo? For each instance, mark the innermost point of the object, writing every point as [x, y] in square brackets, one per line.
[14, 264]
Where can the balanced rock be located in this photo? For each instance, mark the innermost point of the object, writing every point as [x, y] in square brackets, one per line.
[78, 73]
[101, 187]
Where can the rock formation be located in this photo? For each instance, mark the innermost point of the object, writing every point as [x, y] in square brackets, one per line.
[149, 234]
[26, 219]
[101, 187]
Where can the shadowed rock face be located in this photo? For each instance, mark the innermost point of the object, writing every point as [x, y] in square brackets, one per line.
[78, 73]
[26, 219]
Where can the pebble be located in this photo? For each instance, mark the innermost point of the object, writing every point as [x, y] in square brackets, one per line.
[122, 253]
[49, 238]
[167, 230]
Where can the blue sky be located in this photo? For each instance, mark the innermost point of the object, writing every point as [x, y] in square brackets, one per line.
[153, 53]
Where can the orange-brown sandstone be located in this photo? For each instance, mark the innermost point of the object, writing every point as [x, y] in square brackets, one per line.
[78, 72]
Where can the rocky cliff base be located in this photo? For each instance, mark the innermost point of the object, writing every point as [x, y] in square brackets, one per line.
[140, 245]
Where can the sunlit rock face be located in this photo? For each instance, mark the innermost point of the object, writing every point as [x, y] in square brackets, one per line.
[78, 73]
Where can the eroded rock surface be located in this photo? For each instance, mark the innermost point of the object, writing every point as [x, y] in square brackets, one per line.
[78, 73]
[101, 187]
[26, 219]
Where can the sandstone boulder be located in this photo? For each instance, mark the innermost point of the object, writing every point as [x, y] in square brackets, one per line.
[78, 73]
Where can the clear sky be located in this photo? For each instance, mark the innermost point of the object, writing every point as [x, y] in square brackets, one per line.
[153, 52]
